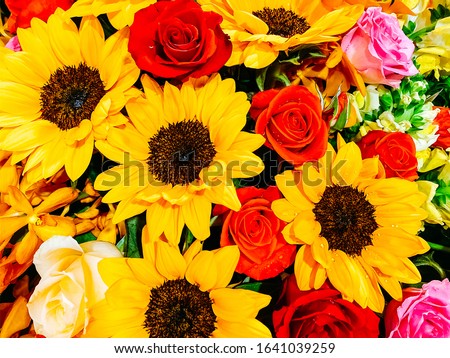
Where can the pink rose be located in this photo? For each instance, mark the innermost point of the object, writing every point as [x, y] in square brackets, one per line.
[423, 313]
[378, 48]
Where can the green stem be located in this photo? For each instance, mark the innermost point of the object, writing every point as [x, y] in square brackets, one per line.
[419, 33]
[438, 247]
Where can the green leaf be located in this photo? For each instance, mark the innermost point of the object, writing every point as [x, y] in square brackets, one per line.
[439, 13]
[188, 239]
[129, 244]
[261, 78]
[251, 286]
[88, 236]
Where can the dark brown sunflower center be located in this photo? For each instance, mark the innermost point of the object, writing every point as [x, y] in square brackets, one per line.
[178, 152]
[347, 219]
[71, 95]
[282, 22]
[178, 309]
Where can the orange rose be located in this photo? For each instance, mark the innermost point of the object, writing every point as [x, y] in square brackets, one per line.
[443, 121]
[257, 232]
[396, 151]
[22, 11]
[291, 121]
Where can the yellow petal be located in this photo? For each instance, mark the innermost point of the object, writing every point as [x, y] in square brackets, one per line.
[59, 198]
[19, 201]
[306, 228]
[284, 210]
[259, 55]
[390, 284]
[17, 318]
[169, 262]
[61, 226]
[30, 135]
[288, 183]
[309, 274]
[319, 250]
[245, 328]
[237, 304]
[343, 274]
[196, 214]
[202, 271]
[27, 247]
[226, 260]
[399, 241]
[9, 226]
[347, 165]
[18, 99]
[79, 157]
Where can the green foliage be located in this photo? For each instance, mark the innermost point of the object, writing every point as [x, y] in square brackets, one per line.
[440, 89]
[438, 13]
[129, 244]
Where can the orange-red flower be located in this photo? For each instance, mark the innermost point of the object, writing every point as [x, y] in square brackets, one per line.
[22, 11]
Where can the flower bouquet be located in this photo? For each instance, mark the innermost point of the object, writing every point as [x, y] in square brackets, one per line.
[223, 168]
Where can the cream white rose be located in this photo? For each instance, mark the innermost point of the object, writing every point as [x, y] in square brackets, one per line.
[70, 284]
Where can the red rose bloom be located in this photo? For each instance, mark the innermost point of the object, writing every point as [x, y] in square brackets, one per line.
[22, 11]
[257, 232]
[291, 121]
[321, 313]
[443, 121]
[177, 39]
[396, 151]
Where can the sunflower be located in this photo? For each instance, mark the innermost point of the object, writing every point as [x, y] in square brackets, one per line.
[120, 12]
[355, 227]
[259, 30]
[62, 92]
[179, 154]
[167, 295]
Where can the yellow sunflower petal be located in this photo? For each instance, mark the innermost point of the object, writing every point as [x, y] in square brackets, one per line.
[91, 36]
[288, 184]
[259, 55]
[309, 274]
[390, 284]
[169, 262]
[306, 228]
[127, 292]
[64, 40]
[399, 241]
[196, 214]
[375, 297]
[343, 274]
[226, 260]
[284, 210]
[347, 165]
[202, 271]
[237, 304]
[30, 135]
[245, 328]
[79, 157]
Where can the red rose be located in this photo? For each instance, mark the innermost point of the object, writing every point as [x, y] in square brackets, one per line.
[443, 121]
[177, 39]
[257, 232]
[321, 313]
[396, 151]
[22, 11]
[291, 121]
